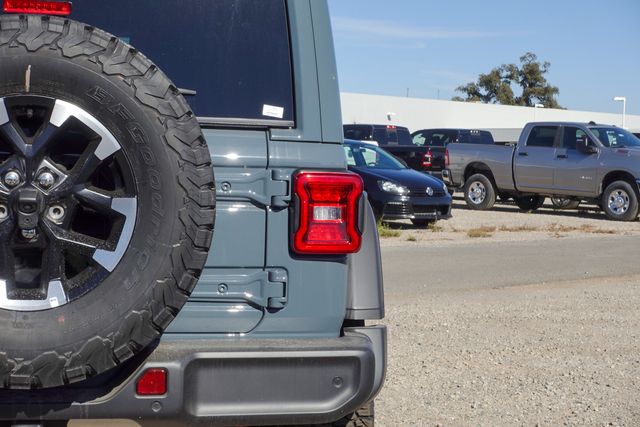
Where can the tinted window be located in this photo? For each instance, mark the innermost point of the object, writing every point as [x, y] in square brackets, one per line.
[571, 137]
[404, 137]
[542, 136]
[370, 156]
[358, 132]
[233, 53]
[385, 136]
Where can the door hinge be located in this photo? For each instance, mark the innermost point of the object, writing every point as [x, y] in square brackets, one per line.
[266, 187]
[262, 288]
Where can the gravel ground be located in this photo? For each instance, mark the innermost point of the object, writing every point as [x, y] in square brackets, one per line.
[553, 354]
[506, 223]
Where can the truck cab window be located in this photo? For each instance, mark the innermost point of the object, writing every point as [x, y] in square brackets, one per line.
[542, 136]
[571, 137]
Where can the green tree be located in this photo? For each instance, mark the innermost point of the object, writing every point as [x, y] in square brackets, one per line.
[496, 87]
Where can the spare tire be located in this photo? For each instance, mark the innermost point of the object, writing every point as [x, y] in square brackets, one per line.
[106, 202]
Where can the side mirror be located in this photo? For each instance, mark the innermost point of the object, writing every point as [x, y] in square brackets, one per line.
[585, 146]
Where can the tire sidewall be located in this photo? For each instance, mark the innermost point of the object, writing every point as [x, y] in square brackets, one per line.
[129, 287]
[632, 213]
[490, 193]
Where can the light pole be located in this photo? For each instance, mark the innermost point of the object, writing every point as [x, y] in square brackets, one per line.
[623, 99]
[535, 109]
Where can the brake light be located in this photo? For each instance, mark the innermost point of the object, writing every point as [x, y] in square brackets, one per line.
[60, 8]
[446, 157]
[328, 213]
[152, 383]
[427, 159]
[391, 127]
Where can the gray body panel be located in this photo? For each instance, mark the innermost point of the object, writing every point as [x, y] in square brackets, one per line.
[547, 171]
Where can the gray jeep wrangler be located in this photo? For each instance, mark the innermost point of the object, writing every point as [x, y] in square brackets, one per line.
[118, 300]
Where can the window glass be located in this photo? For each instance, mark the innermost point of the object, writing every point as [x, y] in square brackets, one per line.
[542, 136]
[351, 161]
[572, 136]
[358, 132]
[420, 139]
[370, 156]
[233, 53]
[616, 137]
[403, 136]
[385, 136]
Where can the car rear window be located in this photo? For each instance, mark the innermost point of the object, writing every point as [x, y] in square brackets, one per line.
[476, 137]
[235, 54]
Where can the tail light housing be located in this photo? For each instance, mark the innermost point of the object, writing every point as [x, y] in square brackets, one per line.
[59, 8]
[328, 213]
[427, 159]
[446, 157]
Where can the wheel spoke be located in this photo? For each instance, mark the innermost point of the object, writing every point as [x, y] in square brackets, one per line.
[10, 135]
[44, 139]
[99, 201]
[71, 240]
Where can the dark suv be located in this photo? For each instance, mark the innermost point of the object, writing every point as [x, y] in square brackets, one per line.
[118, 299]
[382, 134]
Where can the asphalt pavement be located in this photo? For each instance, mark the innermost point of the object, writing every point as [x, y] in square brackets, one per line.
[486, 264]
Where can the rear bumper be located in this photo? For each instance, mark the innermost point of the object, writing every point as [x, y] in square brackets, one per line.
[231, 382]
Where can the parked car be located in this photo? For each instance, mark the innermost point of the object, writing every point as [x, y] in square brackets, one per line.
[118, 300]
[577, 161]
[396, 191]
[436, 141]
[381, 134]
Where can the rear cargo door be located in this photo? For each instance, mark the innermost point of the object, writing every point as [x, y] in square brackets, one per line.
[232, 60]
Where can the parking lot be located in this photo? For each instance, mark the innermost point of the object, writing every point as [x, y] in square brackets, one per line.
[510, 318]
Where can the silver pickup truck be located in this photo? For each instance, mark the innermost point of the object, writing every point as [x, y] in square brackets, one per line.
[572, 161]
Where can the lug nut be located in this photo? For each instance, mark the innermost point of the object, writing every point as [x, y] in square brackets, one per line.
[29, 234]
[46, 180]
[56, 213]
[11, 179]
[4, 212]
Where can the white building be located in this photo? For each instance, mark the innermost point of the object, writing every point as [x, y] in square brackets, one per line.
[503, 121]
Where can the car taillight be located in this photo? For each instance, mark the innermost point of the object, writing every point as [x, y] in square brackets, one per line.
[446, 157]
[328, 213]
[60, 8]
[153, 382]
[427, 159]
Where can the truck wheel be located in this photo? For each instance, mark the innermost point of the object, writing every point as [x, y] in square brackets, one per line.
[479, 192]
[564, 203]
[620, 201]
[530, 203]
[106, 202]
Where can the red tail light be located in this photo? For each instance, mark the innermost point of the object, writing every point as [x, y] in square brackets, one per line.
[328, 213]
[152, 383]
[427, 159]
[446, 157]
[61, 8]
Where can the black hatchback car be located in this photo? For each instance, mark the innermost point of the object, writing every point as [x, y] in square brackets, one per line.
[396, 191]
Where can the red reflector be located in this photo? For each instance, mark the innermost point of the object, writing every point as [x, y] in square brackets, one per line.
[446, 157]
[61, 8]
[152, 383]
[328, 213]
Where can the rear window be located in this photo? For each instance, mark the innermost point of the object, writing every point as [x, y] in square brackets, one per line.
[358, 132]
[234, 54]
[476, 137]
[392, 135]
[542, 136]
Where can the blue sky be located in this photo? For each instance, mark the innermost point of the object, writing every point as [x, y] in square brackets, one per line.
[430, 47]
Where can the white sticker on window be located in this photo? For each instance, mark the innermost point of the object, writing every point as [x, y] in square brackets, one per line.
[272, 111]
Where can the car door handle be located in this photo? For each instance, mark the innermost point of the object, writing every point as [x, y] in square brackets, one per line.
[523, 154]
[562, 156]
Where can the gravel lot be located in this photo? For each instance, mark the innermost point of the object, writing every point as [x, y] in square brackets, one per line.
[507, 223]
[551, 353]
